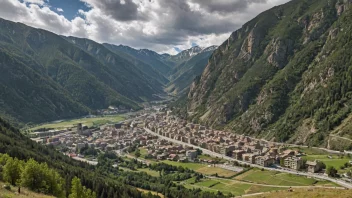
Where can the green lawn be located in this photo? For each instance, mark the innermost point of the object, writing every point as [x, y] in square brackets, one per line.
[277, 178]
[193, 166]
[85, 121]
[203, 168]
[336, 161]
[150, 172]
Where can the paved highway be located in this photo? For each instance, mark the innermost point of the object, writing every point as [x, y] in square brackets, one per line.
[205, 151]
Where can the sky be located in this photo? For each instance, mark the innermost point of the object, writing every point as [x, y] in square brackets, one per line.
[165, 26]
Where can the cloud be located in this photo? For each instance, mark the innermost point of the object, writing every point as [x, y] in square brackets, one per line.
[59, 9]
[227, 6]
[160, 25]
[121, 10]
[38, 2]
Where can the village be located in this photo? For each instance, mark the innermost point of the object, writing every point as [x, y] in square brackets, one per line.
[239, 147]
[175, 140]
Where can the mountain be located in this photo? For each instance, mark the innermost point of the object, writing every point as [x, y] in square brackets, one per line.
[187, 54]
[155, 60]
[184, 73]
[46, 77]
[283, 76]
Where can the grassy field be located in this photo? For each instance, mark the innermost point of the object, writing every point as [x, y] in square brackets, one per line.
[310, 151]
[203, 168]
[85, 121]
[280, 179]
[335, 161]
[321, 155]
[311, 193]
[206, 157]
[150, 172]
[24, 193]
[229, 186]
[152, 192]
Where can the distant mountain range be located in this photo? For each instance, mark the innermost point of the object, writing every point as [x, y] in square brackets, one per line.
[46, 77]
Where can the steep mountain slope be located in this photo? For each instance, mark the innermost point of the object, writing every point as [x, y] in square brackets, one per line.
[155, 60]
[184, 73]
[136, 81]
[285, 75]
[187, 54]
[49, 77]
[29, 96]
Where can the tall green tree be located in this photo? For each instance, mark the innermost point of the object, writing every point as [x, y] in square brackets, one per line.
[12, 171]
[79, 191]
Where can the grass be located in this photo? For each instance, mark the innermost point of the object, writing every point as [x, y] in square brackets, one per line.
[279, 179]
[25, 193]
[215, 170]
[150, 172]
[311, 193]
[203, 168]
[193, 166]
[336, 161]
[85, 121]
[228, 186]
[152, 192]
[207, 157]
[310, 151]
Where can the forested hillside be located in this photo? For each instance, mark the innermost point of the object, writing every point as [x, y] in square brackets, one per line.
[46, 77]
[285, 76]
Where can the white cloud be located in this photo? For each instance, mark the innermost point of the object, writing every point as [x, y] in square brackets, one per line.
[38, 2]
[59, 9]
[159, 25]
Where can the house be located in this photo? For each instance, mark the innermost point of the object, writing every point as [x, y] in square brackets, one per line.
[264, 161]
[237, 154]
[191, 155]
[249, 158]
[173, 157]
[295, 163]
[313, 166]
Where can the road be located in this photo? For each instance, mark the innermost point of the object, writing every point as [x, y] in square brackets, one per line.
[205, 151]
[344, 138]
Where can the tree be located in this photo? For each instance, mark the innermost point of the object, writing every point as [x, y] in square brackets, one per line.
[282, 162]
[321, 165]
[79, 191]
[349, 173]
[12, 171]
[40, 178]
[331, 171]
[137, 153]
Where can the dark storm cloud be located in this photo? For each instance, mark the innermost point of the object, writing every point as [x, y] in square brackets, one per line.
[120, 10]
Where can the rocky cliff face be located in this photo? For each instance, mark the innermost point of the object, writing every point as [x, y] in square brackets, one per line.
[284, 75]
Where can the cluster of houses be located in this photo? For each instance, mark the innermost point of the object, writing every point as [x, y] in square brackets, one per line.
[228, 144]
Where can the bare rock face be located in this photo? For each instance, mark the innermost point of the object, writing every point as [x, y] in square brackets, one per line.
[342, 6]
[333, 33]
[278, 51]
[248, 46]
